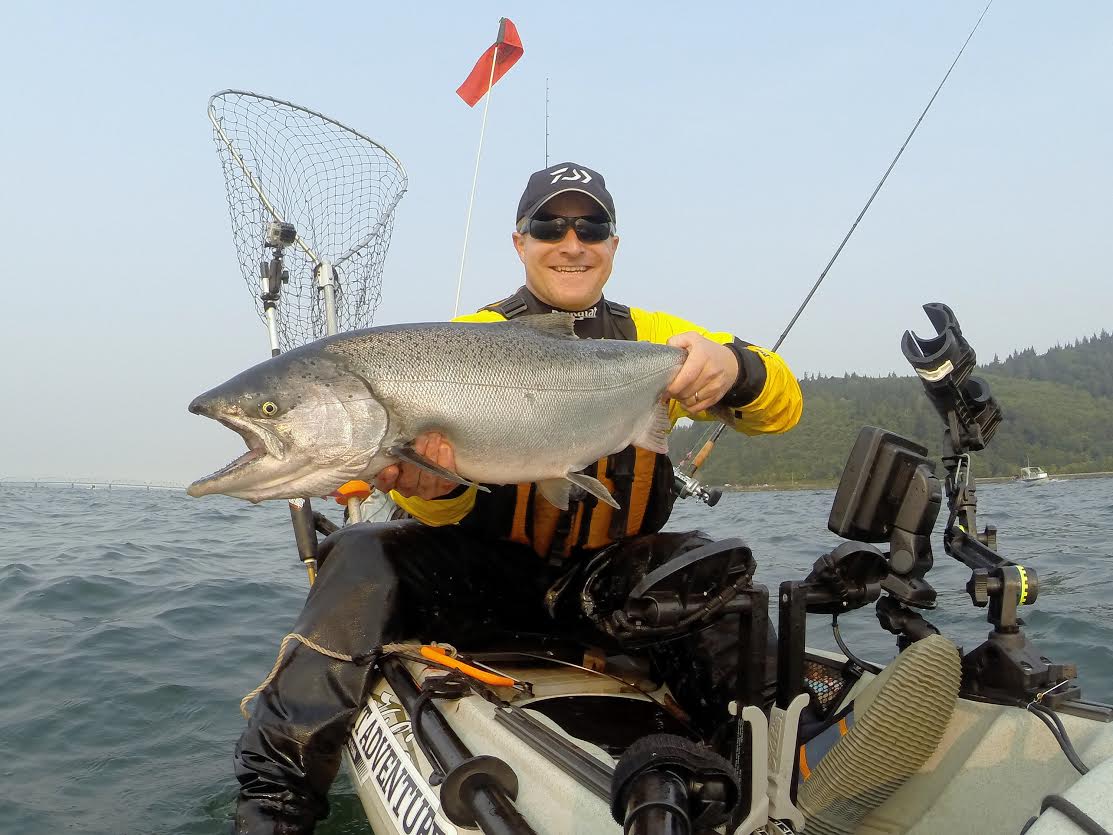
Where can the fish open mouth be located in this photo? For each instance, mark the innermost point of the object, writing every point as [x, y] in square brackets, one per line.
[257, 450]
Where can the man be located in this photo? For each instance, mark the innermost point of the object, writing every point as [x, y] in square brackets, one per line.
[469, 566]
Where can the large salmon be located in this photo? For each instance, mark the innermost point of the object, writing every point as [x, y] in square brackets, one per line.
[520, 401]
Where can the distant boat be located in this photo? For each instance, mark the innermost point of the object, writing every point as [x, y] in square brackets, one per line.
[1030, 476]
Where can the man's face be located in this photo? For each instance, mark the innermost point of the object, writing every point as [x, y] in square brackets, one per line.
[568, 274]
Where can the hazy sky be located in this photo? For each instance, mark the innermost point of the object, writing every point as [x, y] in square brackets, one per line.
[739, 140]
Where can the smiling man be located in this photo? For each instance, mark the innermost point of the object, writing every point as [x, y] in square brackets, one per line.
[565, 270]
[474, 565]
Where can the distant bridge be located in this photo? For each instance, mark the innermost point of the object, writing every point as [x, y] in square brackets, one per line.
[86, 484]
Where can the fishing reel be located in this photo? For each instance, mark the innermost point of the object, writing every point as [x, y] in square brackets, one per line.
[687, 487]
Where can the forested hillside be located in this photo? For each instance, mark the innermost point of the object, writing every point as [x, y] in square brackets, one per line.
[1058, 410]
[1087, 364]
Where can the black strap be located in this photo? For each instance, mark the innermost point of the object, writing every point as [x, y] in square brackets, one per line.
[511, 306]
[590, 503]
[563, 528]
[616, 309]
[530, 501]
[576, 497]
[620, 470]
[751, 377]
[661, 496]
[618, 324]
[1076, 815]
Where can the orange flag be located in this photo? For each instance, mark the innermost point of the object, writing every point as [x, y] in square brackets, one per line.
[504, 53]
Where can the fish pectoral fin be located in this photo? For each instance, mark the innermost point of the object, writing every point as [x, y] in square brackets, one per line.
[593, 486]
[408, 454]
[555, 490]
[655, 438]
[556, 324]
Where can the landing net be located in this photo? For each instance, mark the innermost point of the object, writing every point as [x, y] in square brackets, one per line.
[337, 187]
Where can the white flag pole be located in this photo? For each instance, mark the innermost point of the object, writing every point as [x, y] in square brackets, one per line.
[475, 178]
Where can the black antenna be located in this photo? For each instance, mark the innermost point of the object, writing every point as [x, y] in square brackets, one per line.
[546, 122]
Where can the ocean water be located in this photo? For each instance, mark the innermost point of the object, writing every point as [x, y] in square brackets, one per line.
[132, 622]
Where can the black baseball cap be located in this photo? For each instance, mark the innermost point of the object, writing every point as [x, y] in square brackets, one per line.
[563, 177]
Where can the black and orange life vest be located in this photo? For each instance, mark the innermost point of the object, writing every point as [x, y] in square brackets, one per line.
[640, 480]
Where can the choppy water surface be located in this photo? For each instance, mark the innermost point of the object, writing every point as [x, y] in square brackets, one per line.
[132, 622]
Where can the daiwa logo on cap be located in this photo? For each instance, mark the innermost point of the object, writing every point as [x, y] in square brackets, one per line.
[564, 176]
[577, 176]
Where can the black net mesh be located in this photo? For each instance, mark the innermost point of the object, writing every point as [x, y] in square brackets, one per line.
[337, 187]
[827, 686]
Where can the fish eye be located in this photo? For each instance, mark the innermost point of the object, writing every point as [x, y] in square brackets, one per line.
[269, 408]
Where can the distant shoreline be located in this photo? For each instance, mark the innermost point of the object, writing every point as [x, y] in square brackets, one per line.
[831, 485]
[730, 488]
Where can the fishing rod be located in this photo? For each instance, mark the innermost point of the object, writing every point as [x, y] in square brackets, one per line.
[685, 481]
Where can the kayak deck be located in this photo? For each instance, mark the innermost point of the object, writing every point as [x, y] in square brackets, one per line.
[994, 764]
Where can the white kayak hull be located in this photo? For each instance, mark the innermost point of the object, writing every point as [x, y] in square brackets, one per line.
[384, 760]
[994, 765]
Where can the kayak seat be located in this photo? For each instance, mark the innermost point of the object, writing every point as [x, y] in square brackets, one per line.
[899, 720]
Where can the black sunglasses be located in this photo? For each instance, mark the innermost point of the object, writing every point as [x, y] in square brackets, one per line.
[588, 230]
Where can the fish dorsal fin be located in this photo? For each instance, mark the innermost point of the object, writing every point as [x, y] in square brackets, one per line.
[556, 324]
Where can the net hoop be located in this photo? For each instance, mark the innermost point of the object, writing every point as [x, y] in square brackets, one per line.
[338, 187]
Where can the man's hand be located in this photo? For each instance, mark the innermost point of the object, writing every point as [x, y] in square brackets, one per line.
[708, 373]
[410, 480]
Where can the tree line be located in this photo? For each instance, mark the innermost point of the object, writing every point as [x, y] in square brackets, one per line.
[1057, 407]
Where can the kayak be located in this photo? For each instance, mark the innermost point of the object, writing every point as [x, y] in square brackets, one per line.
[563, 735]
